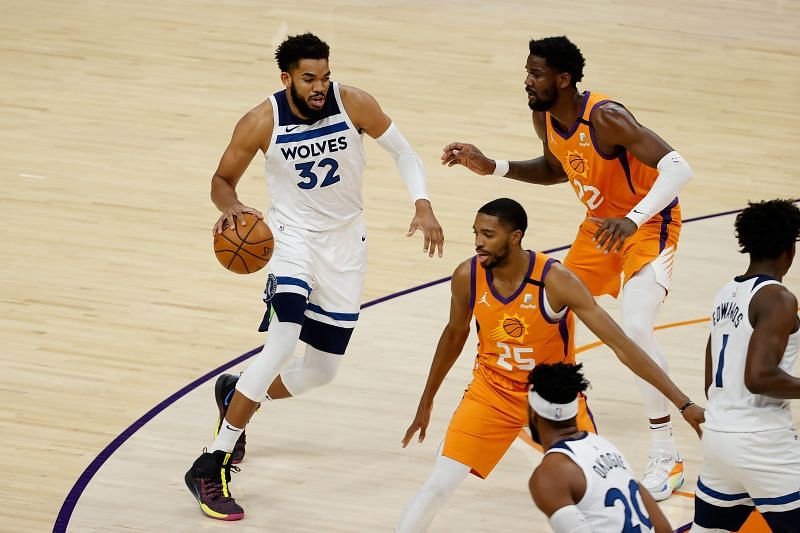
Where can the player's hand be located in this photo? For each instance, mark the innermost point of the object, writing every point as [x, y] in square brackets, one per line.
[425, 220]
[469, 156]
[420, 423]
[233, 213]
[612, 232]
[695, 415]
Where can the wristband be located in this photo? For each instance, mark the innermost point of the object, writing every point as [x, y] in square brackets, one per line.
[500, 167]
[685, 406]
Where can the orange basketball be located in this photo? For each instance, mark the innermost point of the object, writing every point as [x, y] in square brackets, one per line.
[244, 249]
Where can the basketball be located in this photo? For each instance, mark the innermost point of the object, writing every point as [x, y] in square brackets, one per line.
[513, 327]
[244, 249]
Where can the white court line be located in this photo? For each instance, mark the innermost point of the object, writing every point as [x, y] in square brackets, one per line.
[33, 176]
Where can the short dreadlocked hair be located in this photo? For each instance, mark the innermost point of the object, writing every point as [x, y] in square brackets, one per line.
[767, 229]
[561, 55]
[558, 383]
[298, 47]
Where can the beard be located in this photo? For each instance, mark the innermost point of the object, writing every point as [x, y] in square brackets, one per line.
[497, 259]
[540, 104]
[302, 106]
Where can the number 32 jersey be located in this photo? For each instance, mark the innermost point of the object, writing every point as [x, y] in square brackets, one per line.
[520, 331]
[314, 168]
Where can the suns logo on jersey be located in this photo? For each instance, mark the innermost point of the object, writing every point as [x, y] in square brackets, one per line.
[578, 165]
[510, 328]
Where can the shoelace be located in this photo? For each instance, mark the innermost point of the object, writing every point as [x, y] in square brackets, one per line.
[661, 462]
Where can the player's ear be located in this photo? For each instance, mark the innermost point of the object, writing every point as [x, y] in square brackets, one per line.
[286, 79]
[516, 236]
[564, 80]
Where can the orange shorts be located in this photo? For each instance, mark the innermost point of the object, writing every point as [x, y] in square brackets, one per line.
[652, 243]
[490, 416]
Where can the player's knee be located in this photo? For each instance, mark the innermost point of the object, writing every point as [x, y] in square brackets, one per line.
[435, 493]
[637, 327]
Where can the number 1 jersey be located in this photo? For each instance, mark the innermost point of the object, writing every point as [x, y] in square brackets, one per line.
[314, 168]
[731, 406]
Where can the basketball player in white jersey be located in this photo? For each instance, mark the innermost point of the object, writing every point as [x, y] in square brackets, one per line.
[750, 447]
[584, 484]
[311, 134]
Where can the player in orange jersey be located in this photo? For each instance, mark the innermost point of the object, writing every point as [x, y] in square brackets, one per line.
[628, 178]
[522, 302]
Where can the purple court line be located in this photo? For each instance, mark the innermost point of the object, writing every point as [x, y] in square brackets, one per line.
[67, 508]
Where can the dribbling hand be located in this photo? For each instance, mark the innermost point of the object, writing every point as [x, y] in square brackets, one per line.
[234, 213]
[469, 156]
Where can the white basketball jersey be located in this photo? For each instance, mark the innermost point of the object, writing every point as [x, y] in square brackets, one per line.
[314, 169]
[731, 406]
[611, 503]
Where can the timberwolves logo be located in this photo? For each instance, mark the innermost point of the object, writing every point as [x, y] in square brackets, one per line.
[272, 286]
[577, 164]
[510, 328]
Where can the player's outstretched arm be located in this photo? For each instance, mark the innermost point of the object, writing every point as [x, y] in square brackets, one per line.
[449, 348]
[368, 116]
[773, 313]
[251, 133]
[563, 288]
[659, 521]
[556, 486]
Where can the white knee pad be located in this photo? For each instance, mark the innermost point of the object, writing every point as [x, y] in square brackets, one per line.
[641, 298]
[315, 369]
[277, 350]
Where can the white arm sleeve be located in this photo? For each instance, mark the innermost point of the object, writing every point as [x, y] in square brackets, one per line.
[569, 519]
[407, 161]
[673, 173]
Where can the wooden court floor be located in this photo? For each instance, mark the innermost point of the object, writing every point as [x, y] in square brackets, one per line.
[114, 116]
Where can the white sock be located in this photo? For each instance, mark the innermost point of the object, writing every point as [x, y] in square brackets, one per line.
[418, 514]
[226, 438]
[662, 438]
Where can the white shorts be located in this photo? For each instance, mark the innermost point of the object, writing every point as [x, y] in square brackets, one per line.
[325, 267]
[761, 469]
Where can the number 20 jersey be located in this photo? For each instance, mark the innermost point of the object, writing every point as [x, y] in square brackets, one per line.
[314, 169]
[612, 502]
